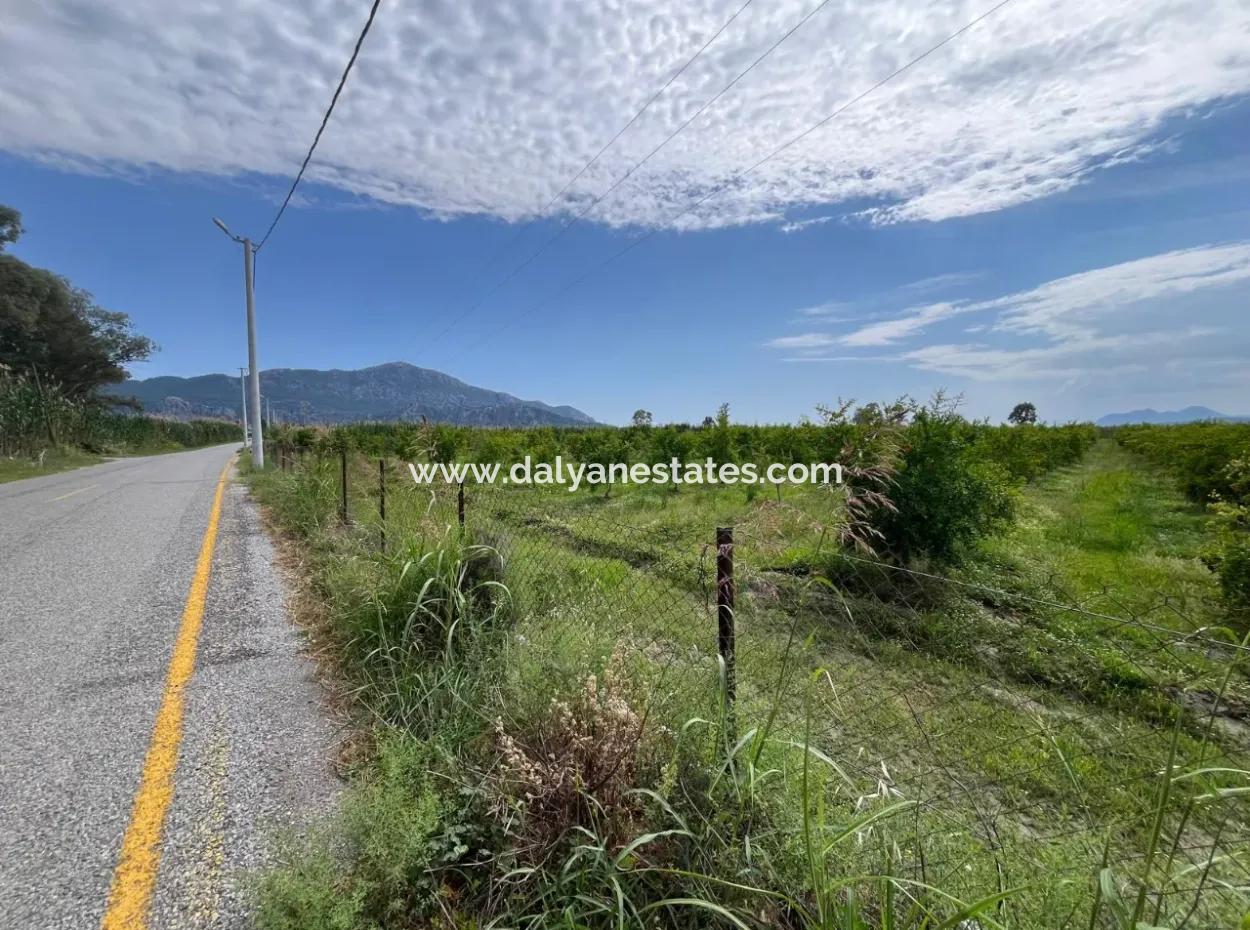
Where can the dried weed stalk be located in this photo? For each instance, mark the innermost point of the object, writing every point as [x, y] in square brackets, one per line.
[575, 769]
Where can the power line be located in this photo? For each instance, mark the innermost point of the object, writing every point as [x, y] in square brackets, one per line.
[624, 177]
[731, 181]
[324, 120]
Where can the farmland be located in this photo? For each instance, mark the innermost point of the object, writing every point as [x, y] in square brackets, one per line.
[957, 681]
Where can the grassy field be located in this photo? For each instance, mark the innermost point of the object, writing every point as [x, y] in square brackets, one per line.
[910, 745]
[15, 468]
[1115, 529]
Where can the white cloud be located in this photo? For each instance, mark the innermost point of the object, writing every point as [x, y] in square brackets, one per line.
[842, 358]
[803, 341]
[1174, 321]
[943, 282]
[833, 311]
[799, 225]
[1096, 356]
[486, 108]
[888, 331]
[1069, 308]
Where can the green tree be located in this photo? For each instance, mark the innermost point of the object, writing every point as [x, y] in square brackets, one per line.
[55, 332]
[642, 417]
[720, 445]
[1022, 413]
[10, 225]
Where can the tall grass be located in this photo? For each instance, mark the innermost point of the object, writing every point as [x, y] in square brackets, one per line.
[36, 417]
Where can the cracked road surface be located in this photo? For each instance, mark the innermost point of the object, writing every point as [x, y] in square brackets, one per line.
[104, 744]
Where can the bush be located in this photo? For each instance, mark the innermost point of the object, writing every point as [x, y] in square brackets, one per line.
[1212, 463]
[1234, 571]
[1027, 451]
[1231, 556]
[945, 496]
[1197, 454]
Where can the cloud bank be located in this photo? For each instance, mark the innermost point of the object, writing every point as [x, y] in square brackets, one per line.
[1166, 315]
[474, 108]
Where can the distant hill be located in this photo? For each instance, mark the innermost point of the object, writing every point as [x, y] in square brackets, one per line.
[395, 391]
[1188, 415]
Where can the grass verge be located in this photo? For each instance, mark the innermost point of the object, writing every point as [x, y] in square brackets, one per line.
[16, 468]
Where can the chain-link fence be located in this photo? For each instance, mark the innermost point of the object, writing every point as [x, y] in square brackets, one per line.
[1041, 736]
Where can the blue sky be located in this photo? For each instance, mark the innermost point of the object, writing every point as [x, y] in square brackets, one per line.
[1024, 220]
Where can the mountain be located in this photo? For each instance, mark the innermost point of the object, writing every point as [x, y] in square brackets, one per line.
[395, 391]
[1188, 415]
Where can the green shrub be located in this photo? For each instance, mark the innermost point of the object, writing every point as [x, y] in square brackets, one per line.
[1231, 556]
[945, 496]
[1212, 463]
[1027, 451]
[1197, 454]
[1234, 571]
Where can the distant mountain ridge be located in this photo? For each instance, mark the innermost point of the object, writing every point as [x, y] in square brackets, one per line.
[394, 391]
[1188, 415]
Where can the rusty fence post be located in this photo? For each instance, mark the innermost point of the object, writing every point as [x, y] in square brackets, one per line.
[343, 484]
[460, 504]
[725, 591]
[382, 501]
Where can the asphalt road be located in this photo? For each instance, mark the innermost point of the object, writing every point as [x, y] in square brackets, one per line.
[96, 566]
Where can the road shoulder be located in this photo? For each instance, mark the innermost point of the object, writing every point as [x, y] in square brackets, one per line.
[255, 769]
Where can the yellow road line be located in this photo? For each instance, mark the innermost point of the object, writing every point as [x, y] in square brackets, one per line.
[72, 493]
[135, 875]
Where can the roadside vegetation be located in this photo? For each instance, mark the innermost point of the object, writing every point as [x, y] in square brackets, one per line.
[986, 682]
[58, 348]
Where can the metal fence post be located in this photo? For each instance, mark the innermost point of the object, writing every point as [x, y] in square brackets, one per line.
[382, 500]
[460, 504]
[725, 609]
[343, 484]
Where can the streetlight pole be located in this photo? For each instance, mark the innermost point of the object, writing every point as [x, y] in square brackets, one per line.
[253, 375]
[258, 441]
[243, 391]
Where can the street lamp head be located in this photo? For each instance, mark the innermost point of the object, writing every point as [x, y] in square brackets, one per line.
[222, 226]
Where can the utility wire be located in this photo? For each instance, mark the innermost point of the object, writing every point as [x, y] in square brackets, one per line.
[324, 120]
[624, 177]
[730, 182]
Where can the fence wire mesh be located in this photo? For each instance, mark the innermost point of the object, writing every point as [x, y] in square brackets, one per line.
[1032, 728]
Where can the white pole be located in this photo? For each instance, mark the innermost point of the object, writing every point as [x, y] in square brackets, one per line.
[243, 390]
[258, 441]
